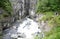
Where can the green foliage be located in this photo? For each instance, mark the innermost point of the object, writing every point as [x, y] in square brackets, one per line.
[57, 19]
[53, 34]
[6, 5]
[36, 37]
[6, 8]
[47, 16]
[52, 19]
[4, 15]
[48, 5]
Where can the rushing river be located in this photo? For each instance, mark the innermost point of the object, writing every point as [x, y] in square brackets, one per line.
[28, 29]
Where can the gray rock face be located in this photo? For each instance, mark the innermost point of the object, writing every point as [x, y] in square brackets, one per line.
[23, 7]
[1, 11]
[32, 9]
[18, 7]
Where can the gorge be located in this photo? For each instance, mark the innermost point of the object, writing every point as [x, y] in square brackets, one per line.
[25, 27]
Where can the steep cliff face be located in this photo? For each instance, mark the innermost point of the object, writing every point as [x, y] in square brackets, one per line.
[19, 7]
[24, 7]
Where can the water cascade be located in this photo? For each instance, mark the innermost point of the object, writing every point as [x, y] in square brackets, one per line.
[25, 28]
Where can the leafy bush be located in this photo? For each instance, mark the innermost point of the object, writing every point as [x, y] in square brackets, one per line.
[48, 5]
[6, 5]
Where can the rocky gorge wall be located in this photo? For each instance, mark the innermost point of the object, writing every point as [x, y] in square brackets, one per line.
[22, 8]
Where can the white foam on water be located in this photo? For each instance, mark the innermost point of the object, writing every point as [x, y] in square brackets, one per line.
[28, 27]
